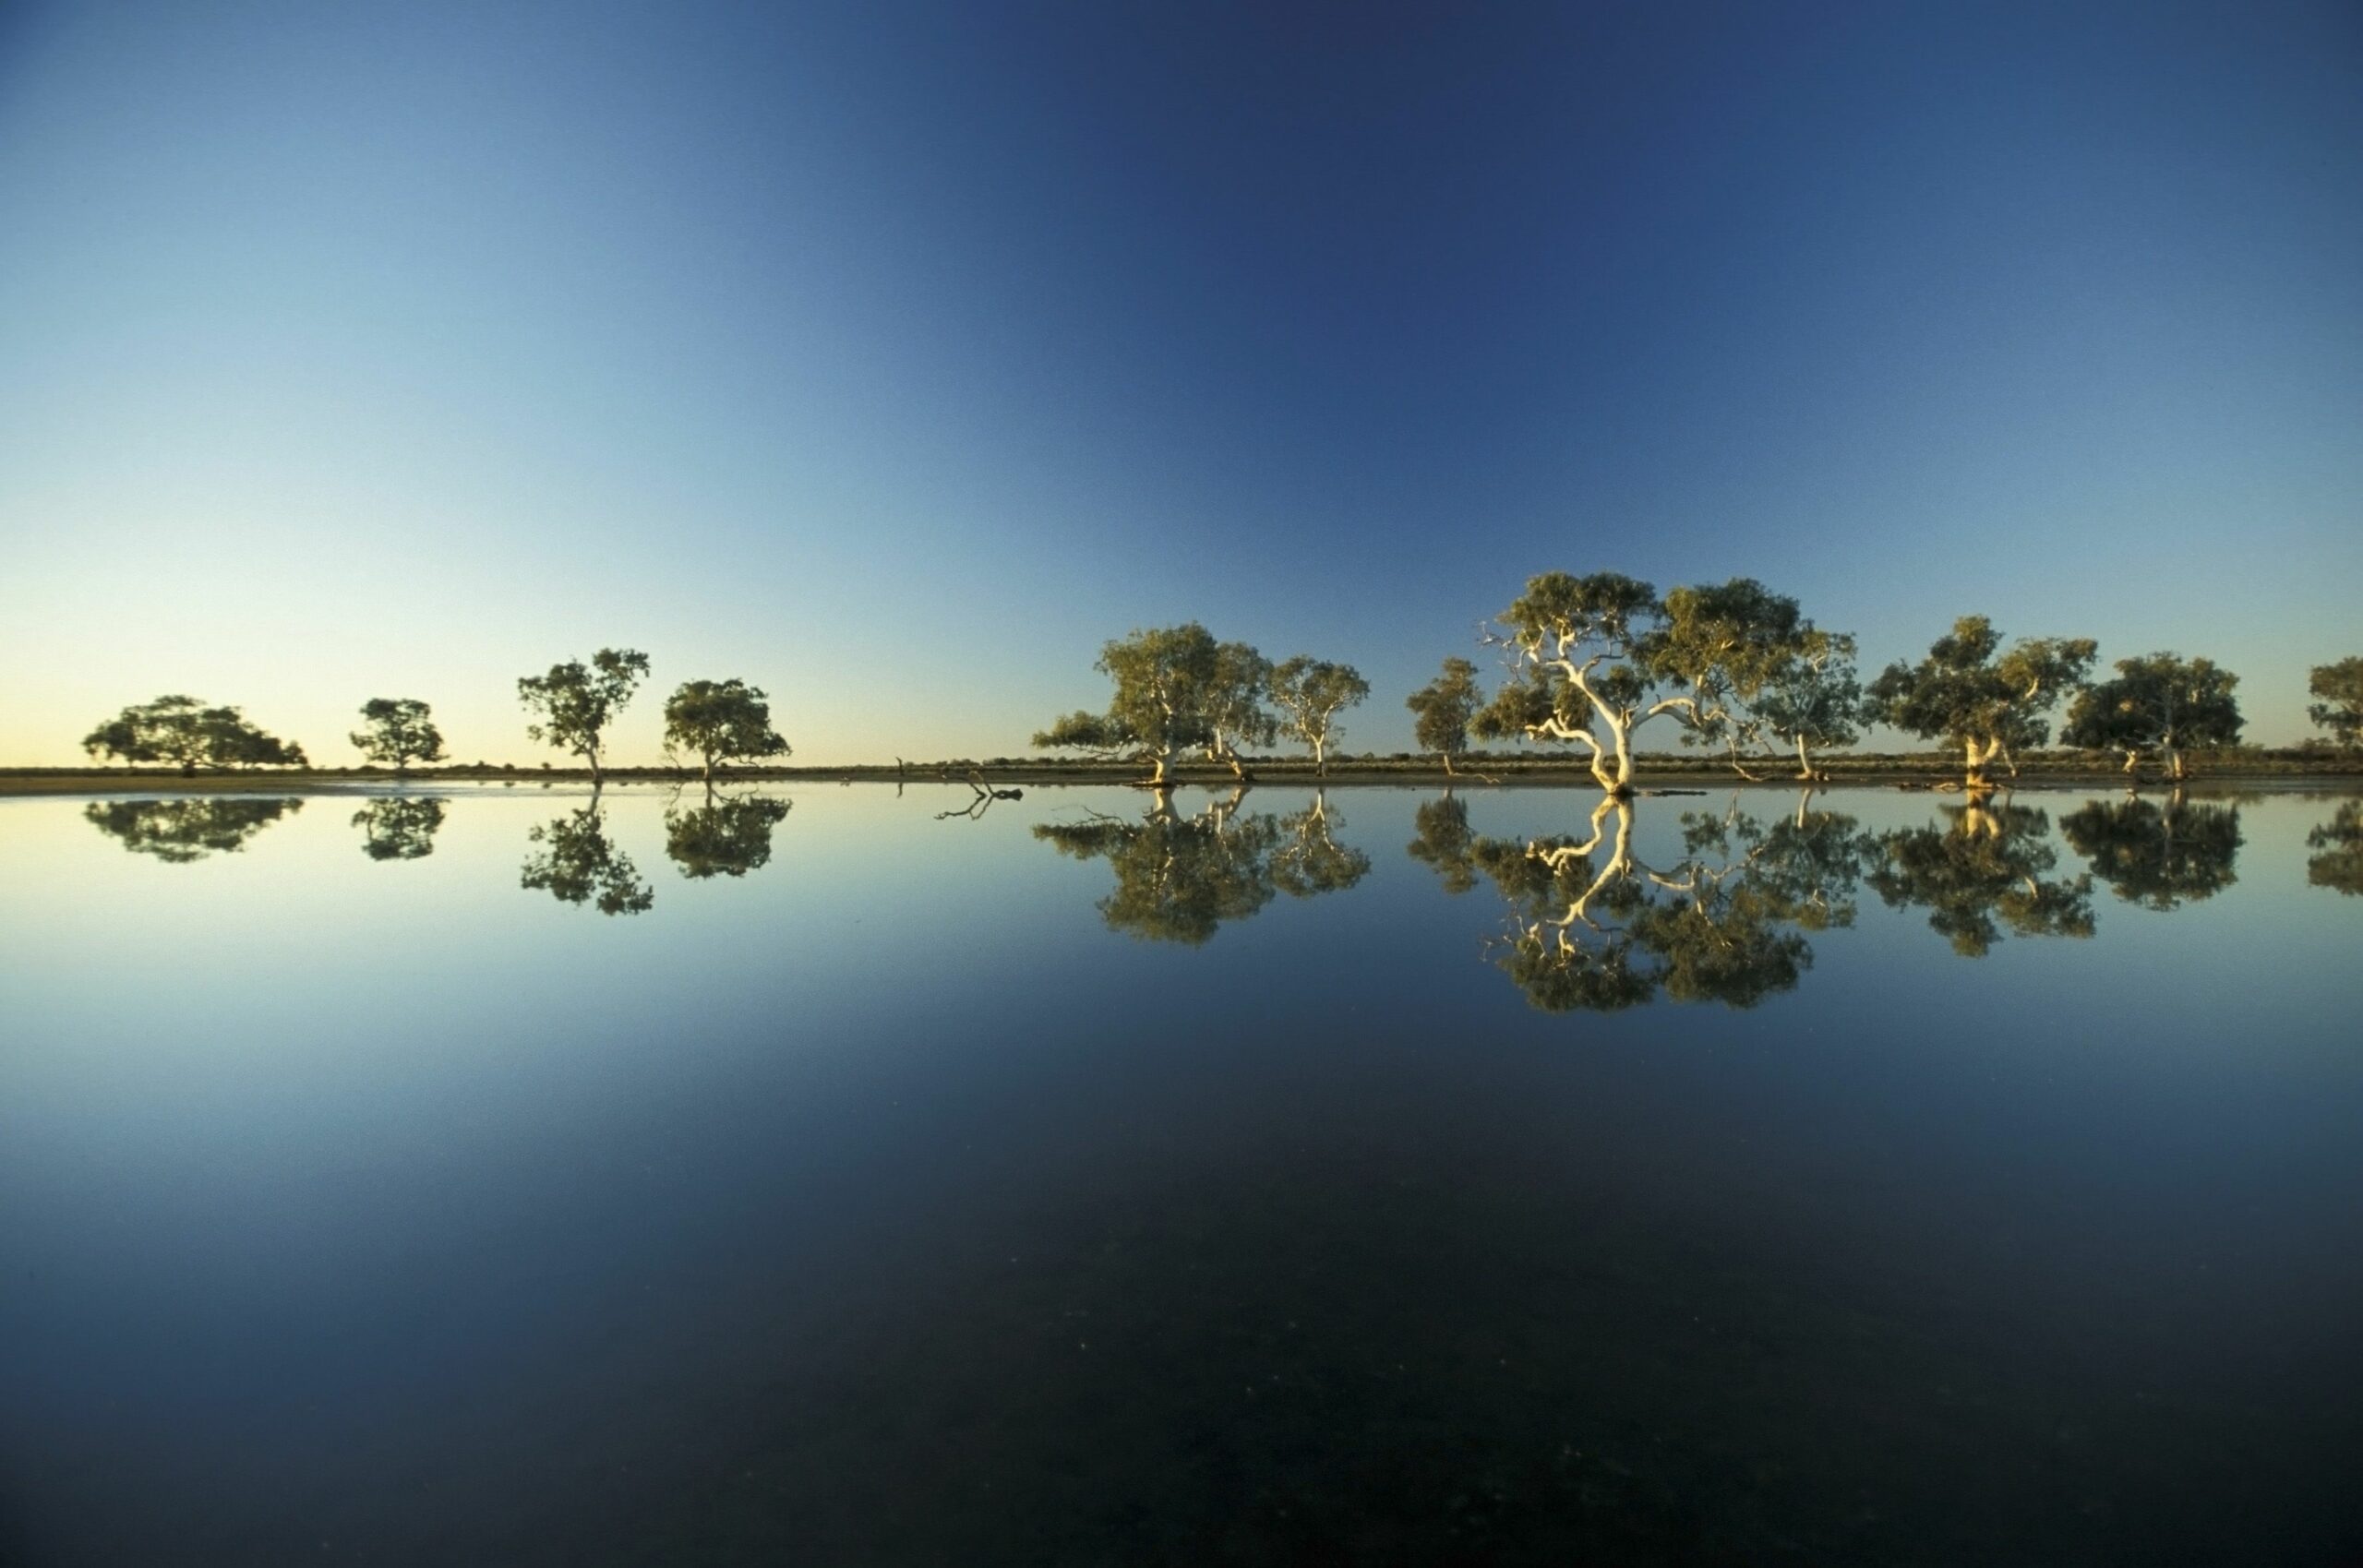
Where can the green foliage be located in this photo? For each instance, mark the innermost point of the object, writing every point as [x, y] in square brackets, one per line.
[1970, 693]
[721, 722]
[2340, 687]
[1814, 699]
[577, 701]
[1443, 710]
[396, 732]
[1181, 879]
[1445, 843]
[184, 730]
[1162, 679]
[189, 827]
[1308, 861]
[2157, 857]
[399, 827]
[1992, 861]
[1310, 693]
[577, 865]
[724, 838]
[2340, 867]
[2162, 704]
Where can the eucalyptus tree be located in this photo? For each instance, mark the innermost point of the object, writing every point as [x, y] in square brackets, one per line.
[2339, 866]
[2340, 687]
[1973, 694]
[1309, 860]
[396, 732]
[1164, 679]
[577, 701]
[2162, 704]
[724, 838]
[1989, 861]
[578, 864]
[1442, 710]
[1310, 694]
[1178, 878]
[2158, 857]
[1597, 657]
[1814, 701]
[188, 828]
[1234, 703]
[399, 827]
[185, 731]
[721, 722]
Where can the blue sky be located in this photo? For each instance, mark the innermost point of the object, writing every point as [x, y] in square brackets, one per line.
[894, 357]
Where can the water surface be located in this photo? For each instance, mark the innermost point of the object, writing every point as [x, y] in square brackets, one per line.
[507, 1177]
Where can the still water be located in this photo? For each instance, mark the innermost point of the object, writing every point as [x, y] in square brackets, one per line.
[509, 1178]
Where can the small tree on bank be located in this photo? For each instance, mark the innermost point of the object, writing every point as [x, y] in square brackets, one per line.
[2340, 687]
[396, 732]
[721, 722]
[1235, 712]
[577, 701]
[1442, 710]
[1310, 693]
[1815, 700]
[1970, 694]
[2160, 703]
[184, 731]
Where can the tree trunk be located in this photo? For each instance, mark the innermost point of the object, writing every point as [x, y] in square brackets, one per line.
[1321, 758]
[1624, 733]
[1805, 759]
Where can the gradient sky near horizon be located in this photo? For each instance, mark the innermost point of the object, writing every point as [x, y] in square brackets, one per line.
[894, 357]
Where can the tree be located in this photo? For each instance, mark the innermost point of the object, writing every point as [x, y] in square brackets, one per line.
[1442, 710]
[2340, 687]
[578, 701]
[1164, 681]
[399, 827]
[2339, 866]
[191, 828]
[1814, 699]
[1968, 691]
[726, 838]
[1310, 694]
[396, 732]
[184, 730]
[1234, 705]
[577, 865]
[721, 720]
[2161, 703]
[1604, 653]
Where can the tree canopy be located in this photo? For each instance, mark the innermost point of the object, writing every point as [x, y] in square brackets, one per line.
[1992, 861]
[2340, 687]
[1310, 694]
[724, 838]
[2157, 857]
[185, 731]
[2160, 704]
[1176, 689]
[399, 827]
[721, 722]
[577, 864]
[1442, 710]
[1973, 694]
[577, 701]
[2340, 865]
[396, 732]
[188, 828]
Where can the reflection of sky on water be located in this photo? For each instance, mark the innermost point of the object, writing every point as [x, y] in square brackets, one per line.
[359, 1198]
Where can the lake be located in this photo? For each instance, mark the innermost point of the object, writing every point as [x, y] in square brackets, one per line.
[507, 1176]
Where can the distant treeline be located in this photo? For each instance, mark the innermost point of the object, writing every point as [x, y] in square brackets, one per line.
[1738, 673]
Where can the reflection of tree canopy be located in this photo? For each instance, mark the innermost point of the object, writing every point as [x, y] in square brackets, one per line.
[1179, 878]
[1992, 861]
[2342, 837]
[188, 828]
[1444, 844]
[2157, 857]
[399, 827]
[577, 864]
[724, 838]
[1596, 929]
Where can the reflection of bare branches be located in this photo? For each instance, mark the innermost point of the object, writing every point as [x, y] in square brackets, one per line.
[985, 794]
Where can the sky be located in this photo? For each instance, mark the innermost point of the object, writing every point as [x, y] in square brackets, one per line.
[894, 357]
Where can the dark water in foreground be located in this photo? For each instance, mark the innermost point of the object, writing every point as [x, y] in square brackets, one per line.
[1873, 1181]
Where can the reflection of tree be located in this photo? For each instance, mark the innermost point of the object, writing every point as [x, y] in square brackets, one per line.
[2157, 857]
[1309, 860]
[1594, 927]
[724, 838]
[1179, 878]
[399, 827]
[2342, 837]
[1993, 860]
[189, 827]
[1445, 843]
[577, 864]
